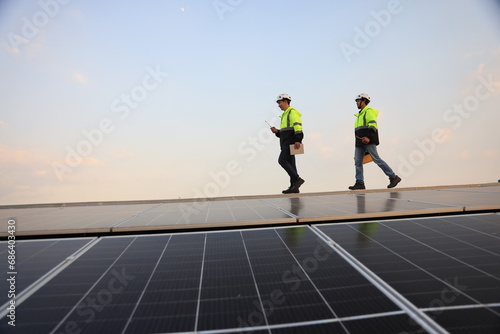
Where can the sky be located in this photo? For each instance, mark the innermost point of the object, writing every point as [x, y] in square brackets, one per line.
[143, 100]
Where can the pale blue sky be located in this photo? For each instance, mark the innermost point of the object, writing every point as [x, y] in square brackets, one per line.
[126, 100]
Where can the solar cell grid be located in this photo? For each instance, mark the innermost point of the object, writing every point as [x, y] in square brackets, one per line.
[428, 265]
[173, 290]
[36, 258]
[470, 320]
[459, 197]
[203, 281]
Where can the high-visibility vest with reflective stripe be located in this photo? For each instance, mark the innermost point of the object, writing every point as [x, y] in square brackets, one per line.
[290, 120]
[366, 118]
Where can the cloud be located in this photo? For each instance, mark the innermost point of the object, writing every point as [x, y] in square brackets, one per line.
[91, 161]
[473, 54]
[20, 157]
[491, 154]
[463, 155]
[10, 49]
[445, 134]
[24, 173]
[488, 69]
[496, 53]
[76, 13]
[28, 163]
[123, 154]
[41, 172]
[28, 176]
[316, 142]
[479, 71]
[81, 78]
[32, 47]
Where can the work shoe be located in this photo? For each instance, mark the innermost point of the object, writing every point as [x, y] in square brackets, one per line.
[297, 184]
[291, 190]
[357, 186]
[394, 181]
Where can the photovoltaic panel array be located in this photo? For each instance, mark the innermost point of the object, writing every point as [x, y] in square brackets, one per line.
[215, 213]
[205, 213]
[448, 267]
[347, 206]
[481, 197]
[281, 280]
[437, 274]
[262, 281]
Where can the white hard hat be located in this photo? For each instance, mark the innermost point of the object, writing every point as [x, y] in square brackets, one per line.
[363, 96]
[284, 96]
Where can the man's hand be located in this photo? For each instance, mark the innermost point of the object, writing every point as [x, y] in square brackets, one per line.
[365, 140]
[297, 145]
[274, 130]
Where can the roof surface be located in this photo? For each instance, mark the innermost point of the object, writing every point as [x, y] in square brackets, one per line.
[422, 260]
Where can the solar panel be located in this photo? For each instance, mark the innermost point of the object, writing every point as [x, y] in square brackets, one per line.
[489, 188]
[35, 258]
[205, 213]
[270, 280]
[471, 198]
[420, 275]
[436, 263]
[469, 320]
[192, 214]
[71, 219]
[347, 206]
[6, 213]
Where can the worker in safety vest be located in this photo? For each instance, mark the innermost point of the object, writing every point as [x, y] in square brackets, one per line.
[290, 133]
[366, 132]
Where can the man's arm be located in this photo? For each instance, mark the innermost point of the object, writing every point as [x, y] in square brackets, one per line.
[275, 131]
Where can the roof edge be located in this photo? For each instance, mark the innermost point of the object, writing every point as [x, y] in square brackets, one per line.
[242, 197]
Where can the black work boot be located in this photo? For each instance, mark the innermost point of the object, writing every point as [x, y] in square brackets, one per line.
[394, 181]
[357, 186]
[287, 191]
[291, 190]
[296, 185]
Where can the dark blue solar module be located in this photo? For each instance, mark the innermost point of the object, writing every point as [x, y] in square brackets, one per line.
[444, 266]
[422, 275]
[34, 259]
[267, 279]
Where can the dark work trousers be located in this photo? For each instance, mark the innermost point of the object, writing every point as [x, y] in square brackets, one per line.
[287, 161]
